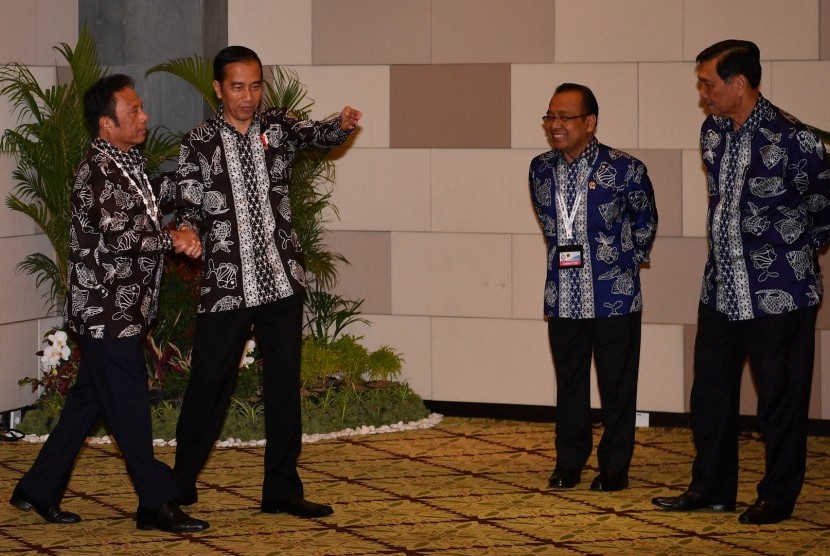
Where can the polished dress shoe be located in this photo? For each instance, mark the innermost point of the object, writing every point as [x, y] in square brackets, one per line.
[52, 513]
[609, 482]
[565, 477]
[169, 518]
[761, 513]
[690, 501]
[296, 506]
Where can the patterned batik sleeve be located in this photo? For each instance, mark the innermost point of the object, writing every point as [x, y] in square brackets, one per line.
[189, 189]
[642, 213]
[811, 172]
[310, 133]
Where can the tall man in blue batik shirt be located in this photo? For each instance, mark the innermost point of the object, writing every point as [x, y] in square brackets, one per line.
[596, 208]
[769, 214]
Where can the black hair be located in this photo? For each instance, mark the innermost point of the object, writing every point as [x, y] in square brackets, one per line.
[231, 54]
[589, 101]
[735, 57]
[99, 99]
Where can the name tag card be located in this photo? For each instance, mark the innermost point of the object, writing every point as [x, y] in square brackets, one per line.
[570, 256]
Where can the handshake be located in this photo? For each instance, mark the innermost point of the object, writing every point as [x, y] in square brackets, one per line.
[186, 241]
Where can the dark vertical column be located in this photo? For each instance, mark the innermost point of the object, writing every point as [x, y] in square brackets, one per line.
[134, 36]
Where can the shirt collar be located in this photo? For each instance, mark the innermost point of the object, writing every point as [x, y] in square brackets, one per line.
[131, 160]
[586, 157]
[760, 112]
[221, 122]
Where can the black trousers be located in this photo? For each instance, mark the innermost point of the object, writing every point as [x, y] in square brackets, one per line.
[112, 383]
[217, 348]
[615, 345]
[781, 349]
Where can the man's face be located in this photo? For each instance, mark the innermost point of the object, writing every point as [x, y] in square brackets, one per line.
[569, 136]
[130, 127]
[721, 98]
[240, 92]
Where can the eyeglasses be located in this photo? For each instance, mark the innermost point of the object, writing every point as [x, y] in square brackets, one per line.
[563, 119]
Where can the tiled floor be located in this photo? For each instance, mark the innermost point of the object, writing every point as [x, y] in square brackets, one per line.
[467, 486]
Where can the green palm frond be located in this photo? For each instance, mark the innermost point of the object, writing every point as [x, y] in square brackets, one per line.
[161, 145]
[197, 71]
[287, 92]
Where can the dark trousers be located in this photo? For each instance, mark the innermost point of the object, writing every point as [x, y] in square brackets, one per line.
[112, 383]
[780, 350]
[217, 349]
[615, 345]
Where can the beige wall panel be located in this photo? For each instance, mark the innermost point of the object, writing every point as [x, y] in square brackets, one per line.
[801, 88]
[695, 195]
[278, 30]
[824, 373]
[824, 30]
[782, 30]
[383, 189]
[614, 85]
[363, 87]
[665, 169]
[18, 27]
[371, 32]
[488, 31]
[823, 320]
[492, 361]
[19, 298]
[11, 223]
[465, 275]
[671, 285]
[630, 31]
[660, 386]
[57, 22]
[369, 274]
[450, 106]
[482, 190]
[689, 333]
[529, 272]
[411, 338]
[670, 116]
[19, 343]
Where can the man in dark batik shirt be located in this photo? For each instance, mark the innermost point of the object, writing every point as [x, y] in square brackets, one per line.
[769, 214]
[234, 175]
[116, 244]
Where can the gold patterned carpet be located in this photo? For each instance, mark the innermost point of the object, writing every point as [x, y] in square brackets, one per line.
[467, 486]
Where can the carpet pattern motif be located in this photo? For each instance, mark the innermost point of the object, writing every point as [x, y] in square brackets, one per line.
[466, 487]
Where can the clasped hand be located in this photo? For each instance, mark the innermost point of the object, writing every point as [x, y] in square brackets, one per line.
[187, 242]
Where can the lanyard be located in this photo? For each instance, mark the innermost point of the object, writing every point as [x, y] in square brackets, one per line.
[570, 215]
[150, 206]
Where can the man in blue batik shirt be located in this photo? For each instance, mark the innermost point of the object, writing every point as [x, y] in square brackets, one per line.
[769, 214]
[596, 208]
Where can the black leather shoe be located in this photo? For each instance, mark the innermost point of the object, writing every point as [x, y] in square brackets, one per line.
[296, 506]
[609, 482]
[761, 513]
[565, 477]
[188, 497]
[170, 518]
[52, 514]
[690, 501]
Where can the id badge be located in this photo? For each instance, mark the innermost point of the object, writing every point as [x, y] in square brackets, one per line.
[570, 256]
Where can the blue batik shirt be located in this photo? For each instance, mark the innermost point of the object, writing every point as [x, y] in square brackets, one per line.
[769, 213]
[614, 221]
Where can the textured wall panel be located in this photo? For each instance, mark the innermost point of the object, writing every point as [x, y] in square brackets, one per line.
[695, 196]
[783, 30]
[11, 223]
[614, 85]
[279, 31]
[529, 271]
[18, 296]
[660, 386]
[19, 343]
[371, 32]
[492, 361]
[665, 170]
[450, 106]
[482, 190]
[488, 31]
[369, 274]
[382, 189]
[800, 88]
[670, 115]
[451, 274]
[671, 285]
[634, 30]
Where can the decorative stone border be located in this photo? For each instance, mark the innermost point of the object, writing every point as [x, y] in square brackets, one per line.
[425, 423]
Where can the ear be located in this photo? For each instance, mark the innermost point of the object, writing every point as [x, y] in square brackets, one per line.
[217, 88]
[104, 122]
[592, 123]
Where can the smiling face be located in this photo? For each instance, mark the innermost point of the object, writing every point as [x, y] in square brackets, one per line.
[130, 126]
[240, 92]
[569, 136]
